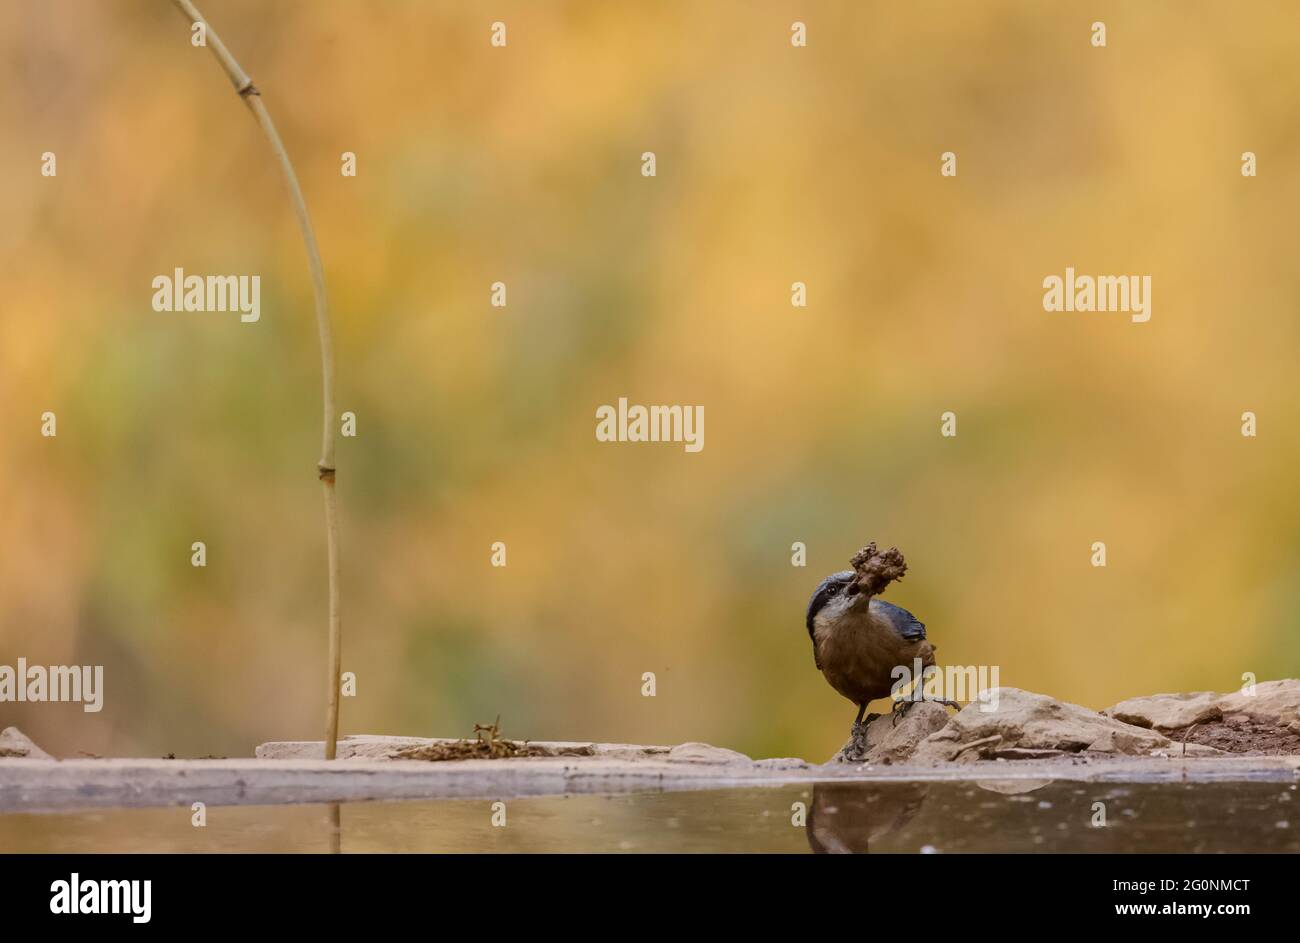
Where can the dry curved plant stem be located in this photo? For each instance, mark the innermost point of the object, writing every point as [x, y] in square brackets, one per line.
[325, 468]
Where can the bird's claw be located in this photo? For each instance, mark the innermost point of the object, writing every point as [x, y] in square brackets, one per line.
[901, 706]
[856, 749]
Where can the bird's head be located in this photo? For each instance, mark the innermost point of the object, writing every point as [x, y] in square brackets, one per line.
[834, 599]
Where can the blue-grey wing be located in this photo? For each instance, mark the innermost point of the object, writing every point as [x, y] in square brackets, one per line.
[906, 624]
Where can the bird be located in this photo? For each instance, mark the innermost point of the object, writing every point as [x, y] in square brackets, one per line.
[859, 640]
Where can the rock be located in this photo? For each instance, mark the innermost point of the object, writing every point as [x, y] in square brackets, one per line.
[1166, 712]
[782, 762]
[894, 743]
[1274, 702]
[703, 753]
[1024, 753]
[888, 742]
[1135, 741]
[1027, 724]
[358, 747]
[1266, 721]
[14, 743]
[376, 747]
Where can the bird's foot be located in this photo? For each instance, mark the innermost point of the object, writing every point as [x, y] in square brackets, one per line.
[855, 751]
[902, 705]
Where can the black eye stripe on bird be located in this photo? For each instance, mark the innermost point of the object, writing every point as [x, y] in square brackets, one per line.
[828, 588]
[858, 640]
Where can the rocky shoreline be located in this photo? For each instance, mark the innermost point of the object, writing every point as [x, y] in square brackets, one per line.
[1011, 724]
[1016, 735]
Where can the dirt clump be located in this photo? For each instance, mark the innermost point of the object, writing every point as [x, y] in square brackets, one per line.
[1237, 734]
[488, 744]
[874, 569]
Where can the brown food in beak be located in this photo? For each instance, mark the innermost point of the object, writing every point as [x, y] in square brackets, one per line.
[874, 569]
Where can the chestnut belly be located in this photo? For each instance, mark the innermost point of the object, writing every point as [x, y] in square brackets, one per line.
[859, 663]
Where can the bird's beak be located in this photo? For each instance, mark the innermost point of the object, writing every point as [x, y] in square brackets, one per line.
[857, 598]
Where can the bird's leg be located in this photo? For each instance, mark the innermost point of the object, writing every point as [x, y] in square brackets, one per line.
[856, 748]
[864, 724]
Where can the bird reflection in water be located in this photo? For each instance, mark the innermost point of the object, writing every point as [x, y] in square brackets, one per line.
[846, 818]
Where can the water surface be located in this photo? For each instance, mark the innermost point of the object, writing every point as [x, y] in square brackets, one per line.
[834, 817]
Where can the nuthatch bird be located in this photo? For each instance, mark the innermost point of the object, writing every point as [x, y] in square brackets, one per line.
[858, 640]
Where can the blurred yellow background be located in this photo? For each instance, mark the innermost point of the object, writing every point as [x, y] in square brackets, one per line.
[476, 424]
